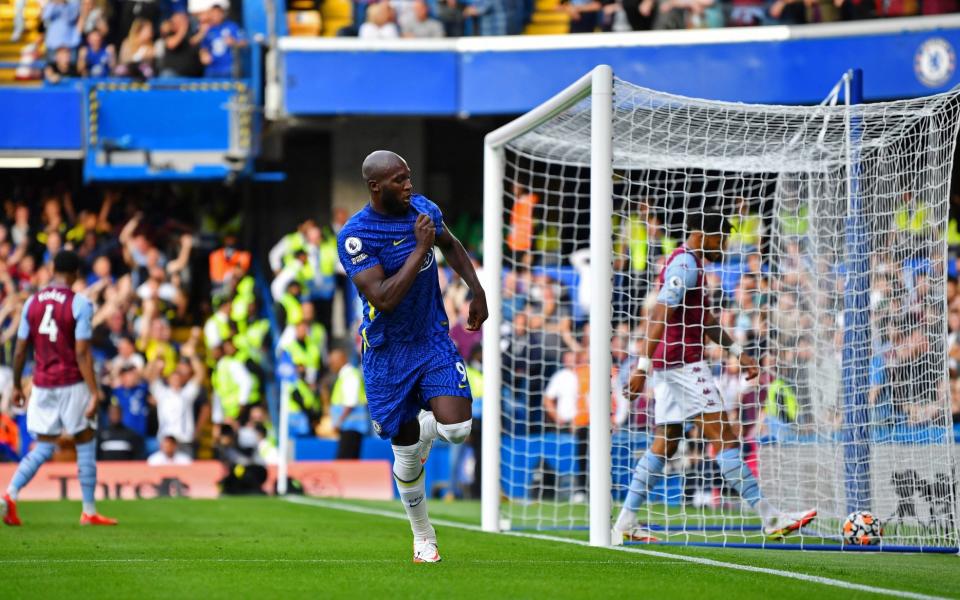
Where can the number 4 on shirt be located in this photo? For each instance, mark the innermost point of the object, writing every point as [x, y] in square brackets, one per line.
[48, 325]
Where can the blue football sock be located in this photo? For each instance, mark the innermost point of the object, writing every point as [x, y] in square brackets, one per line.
[31, 463]
[645, 476]
[739, 476]
[87, 473]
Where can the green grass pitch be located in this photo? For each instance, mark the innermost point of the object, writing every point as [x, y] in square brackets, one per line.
[269, 548]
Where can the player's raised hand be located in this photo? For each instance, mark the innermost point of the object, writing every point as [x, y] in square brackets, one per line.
[749, 366]
[425, 231]
[478, 312]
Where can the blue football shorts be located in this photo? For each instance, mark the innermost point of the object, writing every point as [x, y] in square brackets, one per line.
[402, 378]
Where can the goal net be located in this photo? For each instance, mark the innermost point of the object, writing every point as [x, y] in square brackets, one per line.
[833, 277]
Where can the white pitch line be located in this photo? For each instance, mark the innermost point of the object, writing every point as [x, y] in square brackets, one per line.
[346, 561]
[664, 555]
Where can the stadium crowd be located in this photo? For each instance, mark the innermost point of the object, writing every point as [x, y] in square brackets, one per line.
[387, 19]
[174, 38]
[182, 339]
[177, 383]
[137, 40]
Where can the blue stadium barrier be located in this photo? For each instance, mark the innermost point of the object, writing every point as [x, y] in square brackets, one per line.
[44, 120]
[193, 126]
[511, 75]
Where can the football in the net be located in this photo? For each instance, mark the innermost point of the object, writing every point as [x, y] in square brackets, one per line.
[862, 529]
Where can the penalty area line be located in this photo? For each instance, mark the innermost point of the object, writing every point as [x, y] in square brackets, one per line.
[837, 583]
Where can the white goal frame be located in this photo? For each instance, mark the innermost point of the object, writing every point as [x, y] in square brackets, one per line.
[598, 85]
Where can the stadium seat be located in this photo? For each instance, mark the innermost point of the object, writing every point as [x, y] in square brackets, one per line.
[12, 52]
[304, 23]
[548, 20]
[336, 15]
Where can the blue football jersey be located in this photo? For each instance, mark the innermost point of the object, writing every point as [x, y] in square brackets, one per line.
[369, 239]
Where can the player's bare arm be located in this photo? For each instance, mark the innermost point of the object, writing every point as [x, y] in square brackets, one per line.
[19, 360]
[460, 261]
[85, 362]
[655, 328]
[385, 293]
[713, 330]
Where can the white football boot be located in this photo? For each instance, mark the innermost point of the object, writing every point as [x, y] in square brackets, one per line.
[425, 551]
[786, 523]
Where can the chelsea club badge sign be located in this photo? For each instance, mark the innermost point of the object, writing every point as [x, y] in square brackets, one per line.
[935, 62]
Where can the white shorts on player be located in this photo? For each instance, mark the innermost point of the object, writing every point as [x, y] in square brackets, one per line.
[57, 410]
[684, 392]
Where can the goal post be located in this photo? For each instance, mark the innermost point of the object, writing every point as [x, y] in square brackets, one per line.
[833, 278]
[598, 86]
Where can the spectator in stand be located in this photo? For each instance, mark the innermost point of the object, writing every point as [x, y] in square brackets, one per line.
[60, 24]
[233, 386]
[137, 52]
[10, 439]
[228, 265]
[306, 341]
[61, 66]
[306, 238]
[155, 339]
[97, 59]
[168, 454]
[287, 290]
[639, 13]
[378, 25]
[116, 440]
[450, 13]
[218, 36]
[418, 23]
[93, 17]
[348, 406]
[217, 329]
[180, 57]
[584, 14]
[562, 394]
[248, 439]
[176, 395]
[127, 357]
[20, 229]
[102, 271]
[491, 16]
[564, 402]
[266, 450]
[130, 394]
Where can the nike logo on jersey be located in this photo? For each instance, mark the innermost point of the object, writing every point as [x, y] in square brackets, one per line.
[398, 242]
[462, 386]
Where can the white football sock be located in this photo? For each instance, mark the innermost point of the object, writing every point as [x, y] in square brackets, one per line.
[410, 477]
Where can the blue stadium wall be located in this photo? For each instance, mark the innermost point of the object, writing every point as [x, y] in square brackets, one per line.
[495, 76]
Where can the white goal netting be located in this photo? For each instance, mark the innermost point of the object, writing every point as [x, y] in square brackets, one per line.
[832, 277]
